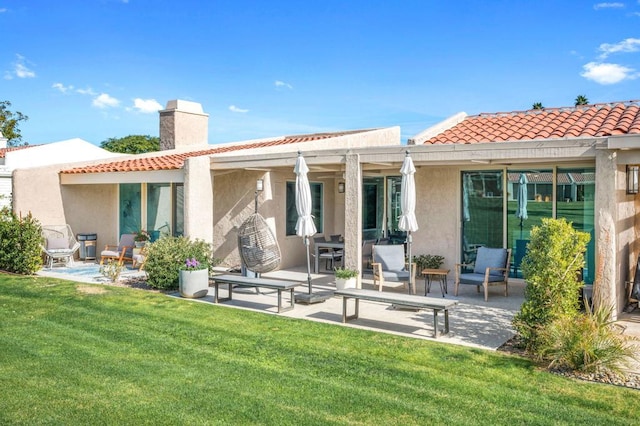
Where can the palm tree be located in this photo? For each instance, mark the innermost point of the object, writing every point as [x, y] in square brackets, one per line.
[538, 105]
[581, 100]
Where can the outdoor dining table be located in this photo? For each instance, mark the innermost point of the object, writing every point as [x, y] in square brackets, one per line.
[327, 244]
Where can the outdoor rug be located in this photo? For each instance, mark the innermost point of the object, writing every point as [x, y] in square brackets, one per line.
[85, 272]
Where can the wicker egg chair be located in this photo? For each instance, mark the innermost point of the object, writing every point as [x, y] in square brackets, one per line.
[258, 247]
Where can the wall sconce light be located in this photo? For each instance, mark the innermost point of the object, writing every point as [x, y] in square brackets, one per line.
[341, 187]
[260, 185]
[632, 179]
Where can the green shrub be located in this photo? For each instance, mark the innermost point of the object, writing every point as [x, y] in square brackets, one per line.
[428, 261]
[20, 243]
[588, 342]
[112, 270]
[167, 255]
[345, 274]
[555, 256]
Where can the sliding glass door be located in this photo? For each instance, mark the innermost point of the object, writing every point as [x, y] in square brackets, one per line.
[493, 217]
[482, 211]
[155, 207]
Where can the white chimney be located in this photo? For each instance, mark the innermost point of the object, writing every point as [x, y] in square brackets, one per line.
[3, 141]
[183, 124]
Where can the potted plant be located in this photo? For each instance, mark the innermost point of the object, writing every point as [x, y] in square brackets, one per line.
[428, 261]
[141, 238]
[346, 278]
[193, 279]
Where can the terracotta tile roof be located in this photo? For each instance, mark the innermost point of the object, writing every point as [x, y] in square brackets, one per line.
[597, 120]
[176, 160]
[3, 151]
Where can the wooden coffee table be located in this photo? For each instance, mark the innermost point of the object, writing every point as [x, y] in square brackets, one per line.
[440, 275]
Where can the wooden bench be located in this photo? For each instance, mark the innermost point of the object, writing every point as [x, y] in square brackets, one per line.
[405, 300]
[231, 280]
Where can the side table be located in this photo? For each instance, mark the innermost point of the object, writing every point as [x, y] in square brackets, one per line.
[440, 275]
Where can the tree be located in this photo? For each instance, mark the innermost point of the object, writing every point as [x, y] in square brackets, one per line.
[132, 144]
[9, 124]
[537, 105]
[582, 100]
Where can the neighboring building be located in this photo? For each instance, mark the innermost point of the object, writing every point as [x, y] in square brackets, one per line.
[468, 171]
[28, 156]
[5, 172]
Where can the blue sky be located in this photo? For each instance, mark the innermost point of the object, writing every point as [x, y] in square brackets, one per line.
[97, 69]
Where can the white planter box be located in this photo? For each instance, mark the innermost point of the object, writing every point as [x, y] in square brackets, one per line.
[194, 284]
[342, 283]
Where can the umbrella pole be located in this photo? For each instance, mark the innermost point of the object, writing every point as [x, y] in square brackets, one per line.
[306, 243]
[410, 262]
[520, 228]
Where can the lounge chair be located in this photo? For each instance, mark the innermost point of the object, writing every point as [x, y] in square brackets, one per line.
[491, 268]
[389, 264]
[123, 251]
[59, 244]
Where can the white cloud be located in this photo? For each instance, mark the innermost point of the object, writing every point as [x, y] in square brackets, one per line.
[88, 91]
[3, 9]
[234, 108]
[279, 83]
[104, 101]
[603, 73]
[61, 87]
[20, 69]
[608, 6]
[625, 46]
[146, 106]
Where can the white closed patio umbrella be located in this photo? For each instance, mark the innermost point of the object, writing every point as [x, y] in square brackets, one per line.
[407, 221]
[305, 226]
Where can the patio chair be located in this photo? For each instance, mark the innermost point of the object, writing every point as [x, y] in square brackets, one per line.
[389, 264]
[59, 244]
[123, 251]
[367, 254]
[491, 268]
[329, 255]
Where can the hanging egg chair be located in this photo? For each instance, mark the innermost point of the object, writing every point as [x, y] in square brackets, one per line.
[258, 247]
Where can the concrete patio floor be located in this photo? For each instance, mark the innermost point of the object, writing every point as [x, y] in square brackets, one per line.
[473, 322]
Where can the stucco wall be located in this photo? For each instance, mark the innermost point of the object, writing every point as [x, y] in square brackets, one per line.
[38, 191]
[234, 203]
[437, 210]
[86, 208]
[198, 199]
[93, 209]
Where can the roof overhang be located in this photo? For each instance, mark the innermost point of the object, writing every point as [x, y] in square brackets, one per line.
[382, 158]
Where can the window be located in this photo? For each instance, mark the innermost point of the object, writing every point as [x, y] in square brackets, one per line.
[316, 203]
[155, 207]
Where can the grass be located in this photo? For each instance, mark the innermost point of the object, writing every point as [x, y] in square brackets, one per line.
[82, 354]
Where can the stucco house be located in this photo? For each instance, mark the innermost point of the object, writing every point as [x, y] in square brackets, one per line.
[468, 172]
[176, 191]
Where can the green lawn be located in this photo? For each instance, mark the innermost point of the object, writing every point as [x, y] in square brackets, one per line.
[77, 354]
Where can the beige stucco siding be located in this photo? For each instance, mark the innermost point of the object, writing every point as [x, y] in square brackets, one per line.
[437, 212]
[234, 203]
[38, 191]
[93, 209]
[86, 208]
